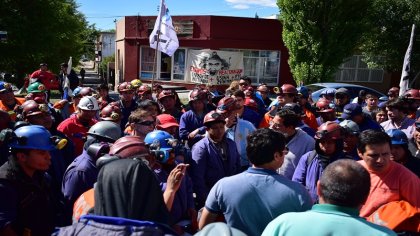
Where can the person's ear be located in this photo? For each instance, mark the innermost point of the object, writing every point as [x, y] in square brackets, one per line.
[360, 154]
[318, 188]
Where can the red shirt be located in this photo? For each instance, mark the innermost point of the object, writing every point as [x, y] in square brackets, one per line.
[45, 77]
[75, 131]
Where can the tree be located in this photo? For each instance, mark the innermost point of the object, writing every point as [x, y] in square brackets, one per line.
[40, 31]
[320, 34]
[385, 44]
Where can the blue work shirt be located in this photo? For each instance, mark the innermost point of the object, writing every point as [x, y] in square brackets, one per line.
[252, 199]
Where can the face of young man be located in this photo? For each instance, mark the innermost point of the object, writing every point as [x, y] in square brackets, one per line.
[372, 102]
[127, 95]
[394, 114]
[216, 131]
[377, 157]
[398, 153]
[168, 103]
[146, 126]
[328, 146]
[35, 160]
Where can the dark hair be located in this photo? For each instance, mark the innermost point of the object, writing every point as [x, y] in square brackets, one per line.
[289, 118]
[247, 79]
[345, 183]
[372, 137]
[262, 144]
[103, 86]
[396, 103]
[64, 65]
[145, 104]
[238, 93]
[371, 95]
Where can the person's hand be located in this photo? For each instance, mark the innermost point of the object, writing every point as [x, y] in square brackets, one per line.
[193, 134]
[175, 177]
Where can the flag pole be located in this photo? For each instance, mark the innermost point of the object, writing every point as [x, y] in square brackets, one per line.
[157, 44]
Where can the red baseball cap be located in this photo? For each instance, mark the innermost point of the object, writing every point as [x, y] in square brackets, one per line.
[165, 121]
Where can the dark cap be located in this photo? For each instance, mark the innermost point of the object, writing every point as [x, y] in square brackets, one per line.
[342, 91]
[294, 107]
[351, 110]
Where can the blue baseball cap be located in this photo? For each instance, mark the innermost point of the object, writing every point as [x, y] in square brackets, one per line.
[351, 110]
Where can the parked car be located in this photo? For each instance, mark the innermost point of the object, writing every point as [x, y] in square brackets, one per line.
[354, 89]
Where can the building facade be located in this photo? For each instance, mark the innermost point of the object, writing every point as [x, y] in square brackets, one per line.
[250, 46]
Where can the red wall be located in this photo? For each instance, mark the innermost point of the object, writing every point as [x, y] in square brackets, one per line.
[213, 32]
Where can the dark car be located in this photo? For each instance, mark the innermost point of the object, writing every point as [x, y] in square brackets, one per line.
[354, 89]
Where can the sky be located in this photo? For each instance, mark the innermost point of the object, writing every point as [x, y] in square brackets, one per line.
[102, 13]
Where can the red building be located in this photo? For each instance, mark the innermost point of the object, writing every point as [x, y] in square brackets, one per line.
[258, 42]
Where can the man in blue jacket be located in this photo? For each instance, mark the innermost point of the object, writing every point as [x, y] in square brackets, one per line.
[214, 157]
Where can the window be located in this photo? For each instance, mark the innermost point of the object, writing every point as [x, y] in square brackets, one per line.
[355, 70]
[262, 66]
[178, 71]
[146, 63]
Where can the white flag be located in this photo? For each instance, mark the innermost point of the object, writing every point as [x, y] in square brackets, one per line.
[168, 41]
[406, 66]
[66, 85]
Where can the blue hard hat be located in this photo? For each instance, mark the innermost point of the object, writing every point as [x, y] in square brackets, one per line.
[76, 91]
[329, 92]
[158, 142]
[397, 137]
[33, 137]
[5, 86]
[303, 91]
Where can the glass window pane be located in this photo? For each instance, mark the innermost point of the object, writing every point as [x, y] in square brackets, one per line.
[147, 59]
[179, 64]
[376, 75]
[250, 67]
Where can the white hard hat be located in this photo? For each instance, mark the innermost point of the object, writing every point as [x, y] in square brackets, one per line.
[88, 103]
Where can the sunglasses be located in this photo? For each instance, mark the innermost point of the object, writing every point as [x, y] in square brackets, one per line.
[243, 84]
[147, 123]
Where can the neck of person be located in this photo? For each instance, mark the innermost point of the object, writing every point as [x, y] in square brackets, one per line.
[267, 166]
[138, 134]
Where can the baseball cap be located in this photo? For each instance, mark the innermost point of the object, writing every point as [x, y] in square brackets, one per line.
[165, 121]
[351, 110]
[342, 91]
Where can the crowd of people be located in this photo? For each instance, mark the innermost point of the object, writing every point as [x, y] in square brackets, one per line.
[288, 166]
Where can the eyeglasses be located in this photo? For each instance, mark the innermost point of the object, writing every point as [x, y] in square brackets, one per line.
[243, 84]
[147, 123]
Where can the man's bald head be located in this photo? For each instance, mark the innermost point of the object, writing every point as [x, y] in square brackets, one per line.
[344, 183]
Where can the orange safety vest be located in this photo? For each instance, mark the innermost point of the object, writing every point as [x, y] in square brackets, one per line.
[83, 204]
[12, 113]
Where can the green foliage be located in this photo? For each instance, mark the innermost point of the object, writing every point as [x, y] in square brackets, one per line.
[385, 44]
[104, 63]
[41, 31]
[320, 34]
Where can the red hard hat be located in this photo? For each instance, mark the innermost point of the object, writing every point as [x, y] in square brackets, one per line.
[198, 94]
[129, 146]
[31, 108]
[323, 106]
[227, 104]
[288, 88]
[213, 116]
[112, 112]
[166, 93]
[329, 130]
[144, 89]
[125, 86]
[251, 103]
[412, 94]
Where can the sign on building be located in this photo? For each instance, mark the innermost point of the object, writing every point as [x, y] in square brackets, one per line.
[214, 66]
